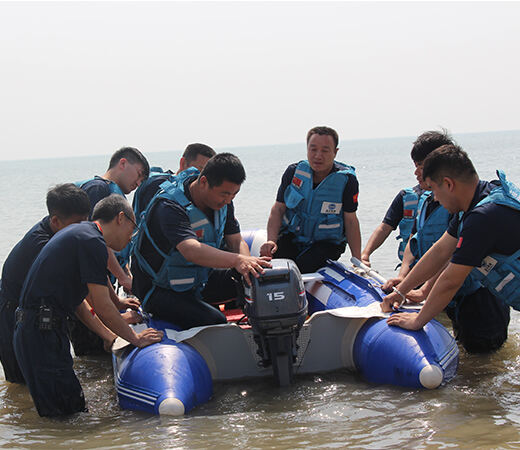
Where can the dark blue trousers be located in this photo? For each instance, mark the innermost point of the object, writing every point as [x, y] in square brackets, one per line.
[12, 371]
[480, 321]
[46, 363]
[185, 310]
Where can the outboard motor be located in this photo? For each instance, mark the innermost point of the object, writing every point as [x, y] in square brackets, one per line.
[276, 306]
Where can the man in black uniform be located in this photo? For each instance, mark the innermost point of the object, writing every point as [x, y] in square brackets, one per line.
[66, 204]
[480, 320]
[72, 265]
[188, 225]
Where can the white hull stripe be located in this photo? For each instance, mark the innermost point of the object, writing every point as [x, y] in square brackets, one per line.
[182, 281]
[302, 173]
[135, 397]
[449, 356]
[328, 227]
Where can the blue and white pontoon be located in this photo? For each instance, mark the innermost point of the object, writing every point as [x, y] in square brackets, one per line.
[345, 329]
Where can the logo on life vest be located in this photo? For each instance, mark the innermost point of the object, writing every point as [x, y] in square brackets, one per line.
[297, 182]
[487, 265]
[199, 233]
[408, 213]
[331, 208]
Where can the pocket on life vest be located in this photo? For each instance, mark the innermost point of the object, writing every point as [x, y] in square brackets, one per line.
[292, 197]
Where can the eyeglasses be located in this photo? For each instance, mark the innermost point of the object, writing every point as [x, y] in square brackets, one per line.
[136, 227]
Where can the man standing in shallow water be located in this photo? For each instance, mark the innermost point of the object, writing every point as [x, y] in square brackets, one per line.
[72, 265]
[314, 215]
[485, 229]
[67, 204]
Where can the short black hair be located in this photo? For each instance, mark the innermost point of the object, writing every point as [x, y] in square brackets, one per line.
[428, 142]
[324, 131]
[133, 156]
[193, 150]
[108, 208]
[224, 167]
[448, 161]
[67, 200]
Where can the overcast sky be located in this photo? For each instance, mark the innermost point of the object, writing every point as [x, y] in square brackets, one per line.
[87, 78]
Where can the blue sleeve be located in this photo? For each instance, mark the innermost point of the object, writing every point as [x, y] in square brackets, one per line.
[350, 195]
[93, 259]
[286, 181]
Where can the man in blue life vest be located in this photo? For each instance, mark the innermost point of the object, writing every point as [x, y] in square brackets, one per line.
[480, 247]
[314, 214]
[195, 155]
[71, 265]
[126, 170]
[67, 204]
[178, 265]
[403, 210]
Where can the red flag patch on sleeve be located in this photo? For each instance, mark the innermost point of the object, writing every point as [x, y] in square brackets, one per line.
[354, 198]
[296, 181]
[459, 244]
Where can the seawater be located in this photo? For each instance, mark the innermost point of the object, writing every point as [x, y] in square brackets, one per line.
[479, 408]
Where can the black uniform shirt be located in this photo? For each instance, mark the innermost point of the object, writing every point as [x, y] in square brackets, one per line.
[486, 229]
[75, 256]
[96, 189]
[21, 258]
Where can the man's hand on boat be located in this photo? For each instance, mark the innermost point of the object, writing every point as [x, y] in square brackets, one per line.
[129, 303]
[268, 248]
[406, 320]
[148, 337]
[253, 265]
[390, 283]
[394, 300]
[131, 317]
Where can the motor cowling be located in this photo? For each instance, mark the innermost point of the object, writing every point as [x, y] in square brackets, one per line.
[276, 306]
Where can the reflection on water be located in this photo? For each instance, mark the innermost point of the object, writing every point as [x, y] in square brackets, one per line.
[479, 408]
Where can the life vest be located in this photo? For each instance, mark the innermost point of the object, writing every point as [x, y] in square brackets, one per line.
[123, 257]
[429, 229]
[114, 188]
[176, 272]
[500, 274]
[316, 214]
[155, 172]
[410, 204]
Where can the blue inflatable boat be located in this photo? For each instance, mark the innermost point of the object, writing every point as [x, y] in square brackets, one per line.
[345, 330]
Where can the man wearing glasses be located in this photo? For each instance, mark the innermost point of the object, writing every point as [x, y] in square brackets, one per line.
[71, 267]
